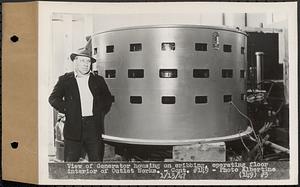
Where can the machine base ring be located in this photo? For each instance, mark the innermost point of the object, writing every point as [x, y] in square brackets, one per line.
[175, 142]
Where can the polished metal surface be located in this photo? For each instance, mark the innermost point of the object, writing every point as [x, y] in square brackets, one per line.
[151, 65]
[259, 67]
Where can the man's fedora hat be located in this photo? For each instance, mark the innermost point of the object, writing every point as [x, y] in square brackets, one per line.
[83, 52]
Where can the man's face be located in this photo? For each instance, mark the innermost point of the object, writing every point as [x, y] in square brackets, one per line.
[82, 64]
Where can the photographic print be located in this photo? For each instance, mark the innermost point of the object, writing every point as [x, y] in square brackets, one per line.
[167, 93]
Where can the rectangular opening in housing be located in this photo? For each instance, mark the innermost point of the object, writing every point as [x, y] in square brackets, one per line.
[109, 49]
[110, 73]
[200, 73]
[95, 50]
[200, 99]
[227, 98]
[136, 47]
[201, 46]
[168, 46]
[227, 73]
[136, 99]
[242, 50]
[227, 48]
[168, 99]
[168, 73]
[242, 73]
[135, 73]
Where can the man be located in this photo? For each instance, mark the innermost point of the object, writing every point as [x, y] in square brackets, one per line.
[84, 98]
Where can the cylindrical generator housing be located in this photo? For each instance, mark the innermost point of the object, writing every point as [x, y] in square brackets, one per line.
[173, 84]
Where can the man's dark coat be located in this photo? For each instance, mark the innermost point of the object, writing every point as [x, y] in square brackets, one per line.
[66, 99]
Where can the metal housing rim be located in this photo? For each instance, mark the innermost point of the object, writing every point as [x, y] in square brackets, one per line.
[174, 26]
[175, 142]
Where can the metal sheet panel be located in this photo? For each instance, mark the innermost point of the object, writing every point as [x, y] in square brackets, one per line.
[184, 120]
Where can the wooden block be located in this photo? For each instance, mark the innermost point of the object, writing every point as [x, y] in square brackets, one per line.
[109, 152]
[204, 152]
[168, 160]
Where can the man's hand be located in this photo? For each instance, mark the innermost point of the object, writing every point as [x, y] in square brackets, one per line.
[61, 117]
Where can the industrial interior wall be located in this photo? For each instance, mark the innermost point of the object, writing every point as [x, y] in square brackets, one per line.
[280, 22]
[255, 20]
